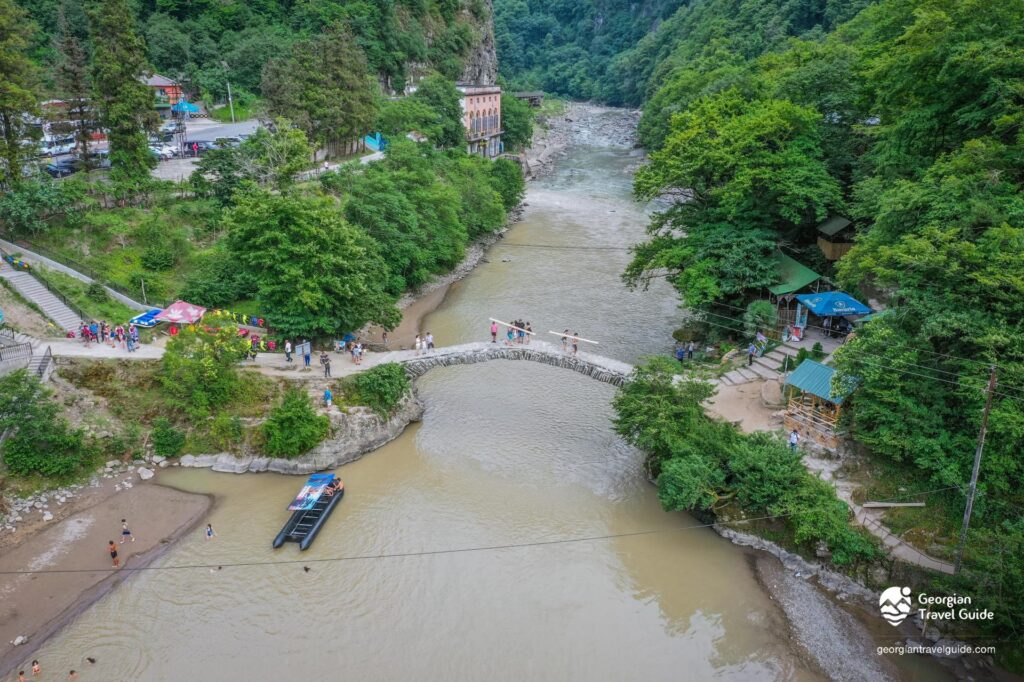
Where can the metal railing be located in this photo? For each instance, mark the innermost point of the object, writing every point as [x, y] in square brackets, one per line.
[44, 363]
[52, 288]
[15, 351]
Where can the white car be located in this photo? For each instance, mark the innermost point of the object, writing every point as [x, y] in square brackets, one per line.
[162, 152]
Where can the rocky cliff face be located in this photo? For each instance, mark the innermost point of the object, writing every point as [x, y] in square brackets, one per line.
[481, 66]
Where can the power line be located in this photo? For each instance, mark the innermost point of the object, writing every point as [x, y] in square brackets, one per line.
[457, 550]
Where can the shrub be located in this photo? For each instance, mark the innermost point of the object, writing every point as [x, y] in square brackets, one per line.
[379, 388]
[159, 257]
[227, 431]
[294, 426]
[96, 292]
[760, 316]
[39, 440]
[817, 352]
[167, 440]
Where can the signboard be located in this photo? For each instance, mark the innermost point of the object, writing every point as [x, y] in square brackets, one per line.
[305, 348]
[311, 492]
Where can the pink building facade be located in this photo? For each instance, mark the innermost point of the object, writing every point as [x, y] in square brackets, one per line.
[481, 116]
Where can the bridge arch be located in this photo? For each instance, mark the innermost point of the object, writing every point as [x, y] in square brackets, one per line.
[597, 367]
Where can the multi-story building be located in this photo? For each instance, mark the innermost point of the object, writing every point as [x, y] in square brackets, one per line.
[481, 116]
[166, 93]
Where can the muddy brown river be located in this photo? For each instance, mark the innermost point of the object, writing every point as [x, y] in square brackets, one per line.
[507, 454]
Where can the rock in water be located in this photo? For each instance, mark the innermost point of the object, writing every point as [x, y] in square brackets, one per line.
[47, 516]
[19, 640]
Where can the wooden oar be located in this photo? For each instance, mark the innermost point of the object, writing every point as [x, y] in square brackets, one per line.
[572, 336]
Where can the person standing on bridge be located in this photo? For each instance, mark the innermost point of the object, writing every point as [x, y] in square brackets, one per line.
[494, 332]
[575, 343]
[529, 330]
[429, 342]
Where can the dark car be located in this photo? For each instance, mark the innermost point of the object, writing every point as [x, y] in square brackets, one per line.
[63, 167]
[198, 147]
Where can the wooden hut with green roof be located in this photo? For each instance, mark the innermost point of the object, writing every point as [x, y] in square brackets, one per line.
[814, 407]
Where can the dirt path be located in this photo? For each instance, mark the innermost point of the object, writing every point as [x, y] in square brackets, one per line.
[36, 605]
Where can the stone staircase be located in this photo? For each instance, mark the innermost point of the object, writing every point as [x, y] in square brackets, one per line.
[765, 367]
[31, 289]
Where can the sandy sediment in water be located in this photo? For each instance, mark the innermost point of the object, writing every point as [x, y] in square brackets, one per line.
[37, 605]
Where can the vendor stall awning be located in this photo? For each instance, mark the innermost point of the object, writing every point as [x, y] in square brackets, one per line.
[146, 319]
[792, 275]
[185, 107]
[815, 378]
[181, 312]
[833, 303]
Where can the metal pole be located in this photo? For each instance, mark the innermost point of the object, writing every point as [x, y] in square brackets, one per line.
[231, 103]
[972, 488]
[144, 291]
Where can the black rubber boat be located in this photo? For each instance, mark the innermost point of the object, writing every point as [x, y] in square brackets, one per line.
[314, 506]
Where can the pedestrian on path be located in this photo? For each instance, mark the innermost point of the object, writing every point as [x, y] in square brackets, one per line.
[328, 397]
[209, 532]
[112, 548]
[794, 438]
[325, 360]
[418, 345]
[306, 352]
[384, 336]
[689, 351]
[357, 353]
[494, 332]
[575, 343]
[751, 350]
[125, 533]
[287, 350]
[430, 341]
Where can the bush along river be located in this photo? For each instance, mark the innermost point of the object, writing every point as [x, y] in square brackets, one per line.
[509, 456]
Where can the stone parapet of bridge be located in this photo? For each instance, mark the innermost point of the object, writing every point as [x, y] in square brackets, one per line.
[606, 370]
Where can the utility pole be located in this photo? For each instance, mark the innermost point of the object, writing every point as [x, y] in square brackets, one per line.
[231, 102]
[972, 488]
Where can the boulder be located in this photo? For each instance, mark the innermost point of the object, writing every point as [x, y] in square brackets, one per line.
[19, 640]
[113, 463]
[162, 465]
[47, 516]
[145, 474]
[156, 459]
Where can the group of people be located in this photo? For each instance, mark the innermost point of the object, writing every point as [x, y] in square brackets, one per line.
[423, 344]
[518, 332]
[101, 332]
[685, 351]
[37, 670]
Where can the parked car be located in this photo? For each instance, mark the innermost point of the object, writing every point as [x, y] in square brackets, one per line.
[200, 147]
[162, 152]
[63, 167]
[172, 126]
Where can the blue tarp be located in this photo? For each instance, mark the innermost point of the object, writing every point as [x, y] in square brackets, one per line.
[833, 303]
[184, 106]
[146, 319]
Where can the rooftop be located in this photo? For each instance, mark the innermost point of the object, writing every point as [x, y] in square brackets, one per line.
[815, 378]
[792, 275]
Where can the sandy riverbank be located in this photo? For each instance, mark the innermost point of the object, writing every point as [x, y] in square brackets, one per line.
[36, 605]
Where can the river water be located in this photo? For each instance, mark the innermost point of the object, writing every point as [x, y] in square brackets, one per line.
[508, 453]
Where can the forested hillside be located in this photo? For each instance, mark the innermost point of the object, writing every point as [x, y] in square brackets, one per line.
[765, 118]
[206, 44]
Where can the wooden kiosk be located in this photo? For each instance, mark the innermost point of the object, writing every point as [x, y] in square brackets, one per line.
[813, 409]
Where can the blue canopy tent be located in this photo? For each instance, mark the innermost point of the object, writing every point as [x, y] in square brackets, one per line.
[833, 304]
[185, 107]
[146, 319]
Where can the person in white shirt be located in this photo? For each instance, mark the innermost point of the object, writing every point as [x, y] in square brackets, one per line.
[794, 438]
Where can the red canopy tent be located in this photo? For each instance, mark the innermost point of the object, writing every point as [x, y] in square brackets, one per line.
[181, 312]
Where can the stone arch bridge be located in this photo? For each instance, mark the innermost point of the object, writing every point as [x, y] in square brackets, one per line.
[594, 366]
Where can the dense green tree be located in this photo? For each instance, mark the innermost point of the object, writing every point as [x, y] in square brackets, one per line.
[198, 370]
[507, 178]
[124, 101]
[516, 121]
[402, 115]
[440, 95]
[317, 275]
[323, 87]
[746, 176]
[71, 78]
[18, 99]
